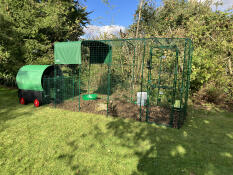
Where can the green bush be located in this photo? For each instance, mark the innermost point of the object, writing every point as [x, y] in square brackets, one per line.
[7, 79]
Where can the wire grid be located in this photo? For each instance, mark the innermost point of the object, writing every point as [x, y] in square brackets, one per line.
[161, 67]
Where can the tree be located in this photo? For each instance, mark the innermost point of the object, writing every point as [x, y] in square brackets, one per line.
[210, 31]
[30, 27]
[139, 17]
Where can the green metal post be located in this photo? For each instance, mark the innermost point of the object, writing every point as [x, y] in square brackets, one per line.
[79, 83]
[148, 87]
[89, 77]
[109, 82]
[48, 89]
[160, 62]
[174, 87]
[132, 86]
[108, 88]
[73, 92]
[181, 114]
[55, 86]
[140, 110]
[188, 76]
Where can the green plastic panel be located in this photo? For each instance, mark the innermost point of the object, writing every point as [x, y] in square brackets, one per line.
[71, 52]
[67, 52]
[29, 77]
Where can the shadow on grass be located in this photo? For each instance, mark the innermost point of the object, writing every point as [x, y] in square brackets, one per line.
[201, 146]
[194, 149]
[148, 157]
[10, 107]
[70, 158]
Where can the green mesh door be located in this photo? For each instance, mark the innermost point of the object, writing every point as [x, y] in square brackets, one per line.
[162, 80]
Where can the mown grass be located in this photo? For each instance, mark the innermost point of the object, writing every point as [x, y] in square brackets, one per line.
[53, 141]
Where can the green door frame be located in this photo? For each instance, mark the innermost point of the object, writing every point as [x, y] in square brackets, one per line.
[149, 85]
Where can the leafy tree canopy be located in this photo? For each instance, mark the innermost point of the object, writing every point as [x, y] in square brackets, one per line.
[30, 27]
[211, 32]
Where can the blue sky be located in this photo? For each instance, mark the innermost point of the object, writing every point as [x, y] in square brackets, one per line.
[117, 15]
[118, 12]
[110, 18]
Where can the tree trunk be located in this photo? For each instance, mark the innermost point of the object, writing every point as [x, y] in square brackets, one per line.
[139, 17]
[229, 65]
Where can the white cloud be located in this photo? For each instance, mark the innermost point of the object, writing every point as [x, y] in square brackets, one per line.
[226, 4]
[92, 31]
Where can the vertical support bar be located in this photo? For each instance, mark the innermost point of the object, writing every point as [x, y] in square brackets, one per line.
[181, 114]
[48, 90]
[55, 86]
[73, 92]
[174, 87]
[148, 87]
[63, 95]
[109, 80]
[188, 77]
[109, 83]
[79, 88]
[89, 76]
[143, 58]
[132, 86]
[158, 84]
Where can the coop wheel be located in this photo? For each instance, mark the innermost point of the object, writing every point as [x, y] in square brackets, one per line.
[36, 103]
[22, 101]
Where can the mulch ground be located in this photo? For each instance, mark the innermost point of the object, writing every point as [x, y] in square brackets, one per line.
[117, 108]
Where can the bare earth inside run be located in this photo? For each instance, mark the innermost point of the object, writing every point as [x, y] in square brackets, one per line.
[158, 114]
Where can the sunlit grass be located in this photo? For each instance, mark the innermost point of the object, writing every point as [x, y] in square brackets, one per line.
[53, 141]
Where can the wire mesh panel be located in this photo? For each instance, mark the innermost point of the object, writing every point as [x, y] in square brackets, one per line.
[62, 90]
[143, 79]
[94, 88]
[122, 79]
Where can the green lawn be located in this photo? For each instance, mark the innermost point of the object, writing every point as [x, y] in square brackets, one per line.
[52, 141]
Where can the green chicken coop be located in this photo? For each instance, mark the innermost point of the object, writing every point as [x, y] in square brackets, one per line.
[31, 87]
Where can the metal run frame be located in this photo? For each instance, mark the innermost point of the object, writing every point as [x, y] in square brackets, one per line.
[138, 65]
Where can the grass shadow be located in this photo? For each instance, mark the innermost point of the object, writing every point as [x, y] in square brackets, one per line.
[70, 159]
[173, 151]
[10, 107]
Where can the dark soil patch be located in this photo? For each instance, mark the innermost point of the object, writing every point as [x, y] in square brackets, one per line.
[159, 115]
